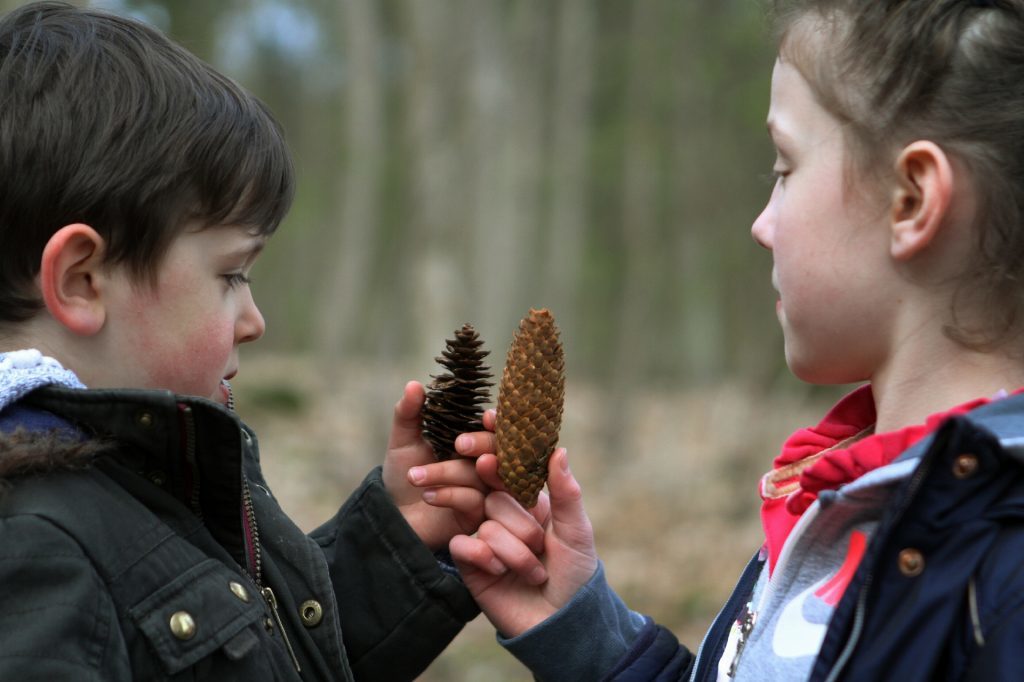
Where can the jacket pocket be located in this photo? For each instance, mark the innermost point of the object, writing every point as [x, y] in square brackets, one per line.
[206, 609]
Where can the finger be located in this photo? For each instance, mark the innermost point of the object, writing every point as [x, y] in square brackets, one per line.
[475, 443]
[512, 552]
[490, 420]
[487, 470]
[452, 472]
[468, 501]
[407, 427]
[502, 508]
[469, 551]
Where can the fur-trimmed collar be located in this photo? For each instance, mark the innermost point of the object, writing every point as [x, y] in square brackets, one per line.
[33, 453]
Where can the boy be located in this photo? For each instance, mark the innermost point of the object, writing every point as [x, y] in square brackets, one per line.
[138, 539]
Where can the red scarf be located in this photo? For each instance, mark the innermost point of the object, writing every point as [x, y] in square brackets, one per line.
[837, 451]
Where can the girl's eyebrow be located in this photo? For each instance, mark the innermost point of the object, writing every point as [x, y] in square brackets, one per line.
[779, 138]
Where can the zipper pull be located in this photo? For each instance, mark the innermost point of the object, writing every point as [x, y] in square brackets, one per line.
[747, 619]
[268, 595]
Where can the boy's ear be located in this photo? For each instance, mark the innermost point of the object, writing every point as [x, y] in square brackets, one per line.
[69, 278]
[924, 177]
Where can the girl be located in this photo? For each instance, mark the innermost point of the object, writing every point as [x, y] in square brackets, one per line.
[894, 528]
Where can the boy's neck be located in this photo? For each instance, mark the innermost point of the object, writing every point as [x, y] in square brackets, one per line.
[52, 341]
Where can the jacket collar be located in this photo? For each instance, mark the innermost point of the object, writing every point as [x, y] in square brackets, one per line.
[191, 448]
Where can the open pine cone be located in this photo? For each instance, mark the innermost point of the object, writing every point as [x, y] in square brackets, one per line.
[454, 400]
[530, 406]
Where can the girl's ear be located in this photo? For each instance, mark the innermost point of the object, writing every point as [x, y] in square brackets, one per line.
[920, 205]
[69, 278]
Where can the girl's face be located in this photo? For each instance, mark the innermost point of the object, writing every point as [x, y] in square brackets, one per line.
[829, 240]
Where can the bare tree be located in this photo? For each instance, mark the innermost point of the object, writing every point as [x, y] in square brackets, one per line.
[359, 188]
[572, 95]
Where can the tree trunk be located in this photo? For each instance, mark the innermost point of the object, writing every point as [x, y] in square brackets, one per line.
[345, 293]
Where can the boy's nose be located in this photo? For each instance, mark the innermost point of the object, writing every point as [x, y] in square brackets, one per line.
[251, 324]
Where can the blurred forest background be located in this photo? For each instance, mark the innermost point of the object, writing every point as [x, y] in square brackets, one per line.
[465, 160]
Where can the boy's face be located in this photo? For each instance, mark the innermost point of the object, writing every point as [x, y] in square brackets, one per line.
[183, 333]
[829, 242]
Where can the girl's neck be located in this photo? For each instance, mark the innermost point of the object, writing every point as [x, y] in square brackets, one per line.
[915, 384]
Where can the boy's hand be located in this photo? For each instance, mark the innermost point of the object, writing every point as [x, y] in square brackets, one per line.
[548, 551]
[455, 502]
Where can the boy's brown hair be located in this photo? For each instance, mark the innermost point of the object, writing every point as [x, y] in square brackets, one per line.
[105, 121]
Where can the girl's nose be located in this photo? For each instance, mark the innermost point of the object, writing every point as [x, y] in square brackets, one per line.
[763, 226]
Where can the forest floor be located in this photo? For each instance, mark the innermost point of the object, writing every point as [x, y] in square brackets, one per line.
[672, 496]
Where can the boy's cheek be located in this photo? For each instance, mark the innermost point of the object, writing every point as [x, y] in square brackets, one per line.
[193, 362]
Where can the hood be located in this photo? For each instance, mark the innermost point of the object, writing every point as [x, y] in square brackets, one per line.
[23, 371]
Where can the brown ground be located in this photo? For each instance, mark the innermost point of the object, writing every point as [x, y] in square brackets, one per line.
[675, 513]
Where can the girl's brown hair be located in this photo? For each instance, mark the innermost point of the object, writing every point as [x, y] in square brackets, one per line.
[949, 71]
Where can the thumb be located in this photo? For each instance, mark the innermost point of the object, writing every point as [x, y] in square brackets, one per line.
[407, 426]
[565, 494]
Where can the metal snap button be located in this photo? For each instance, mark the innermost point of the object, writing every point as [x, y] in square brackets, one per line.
[311, 612]
[182, 625]
[965, 465]
[145, 419]
[911, 562]
[239, 591]
[157, 478]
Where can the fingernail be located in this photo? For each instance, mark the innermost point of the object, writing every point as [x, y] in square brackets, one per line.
[463, 443]
[417, 474]
[429, 496]
[498, 568]
[564, 461]
[538, 575]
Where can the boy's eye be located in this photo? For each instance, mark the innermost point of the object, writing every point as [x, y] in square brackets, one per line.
[236, 279]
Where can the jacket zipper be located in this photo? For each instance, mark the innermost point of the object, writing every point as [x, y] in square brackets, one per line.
[254, 556]
[740, 593]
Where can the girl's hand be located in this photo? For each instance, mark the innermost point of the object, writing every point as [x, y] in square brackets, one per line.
[454, 503]
[523, 566]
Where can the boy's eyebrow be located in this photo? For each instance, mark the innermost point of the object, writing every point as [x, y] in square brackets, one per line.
[249, 249]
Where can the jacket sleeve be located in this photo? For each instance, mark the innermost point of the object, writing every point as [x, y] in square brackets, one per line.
[398, 608]
[57, 621]
[596, 637]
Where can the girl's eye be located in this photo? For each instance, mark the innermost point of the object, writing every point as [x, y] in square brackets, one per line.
[237, 279]
[775, 176]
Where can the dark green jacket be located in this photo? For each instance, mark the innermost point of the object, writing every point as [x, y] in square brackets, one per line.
[157, 559]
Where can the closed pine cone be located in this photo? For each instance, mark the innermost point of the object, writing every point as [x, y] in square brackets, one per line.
[454, 400]
[530, 406]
